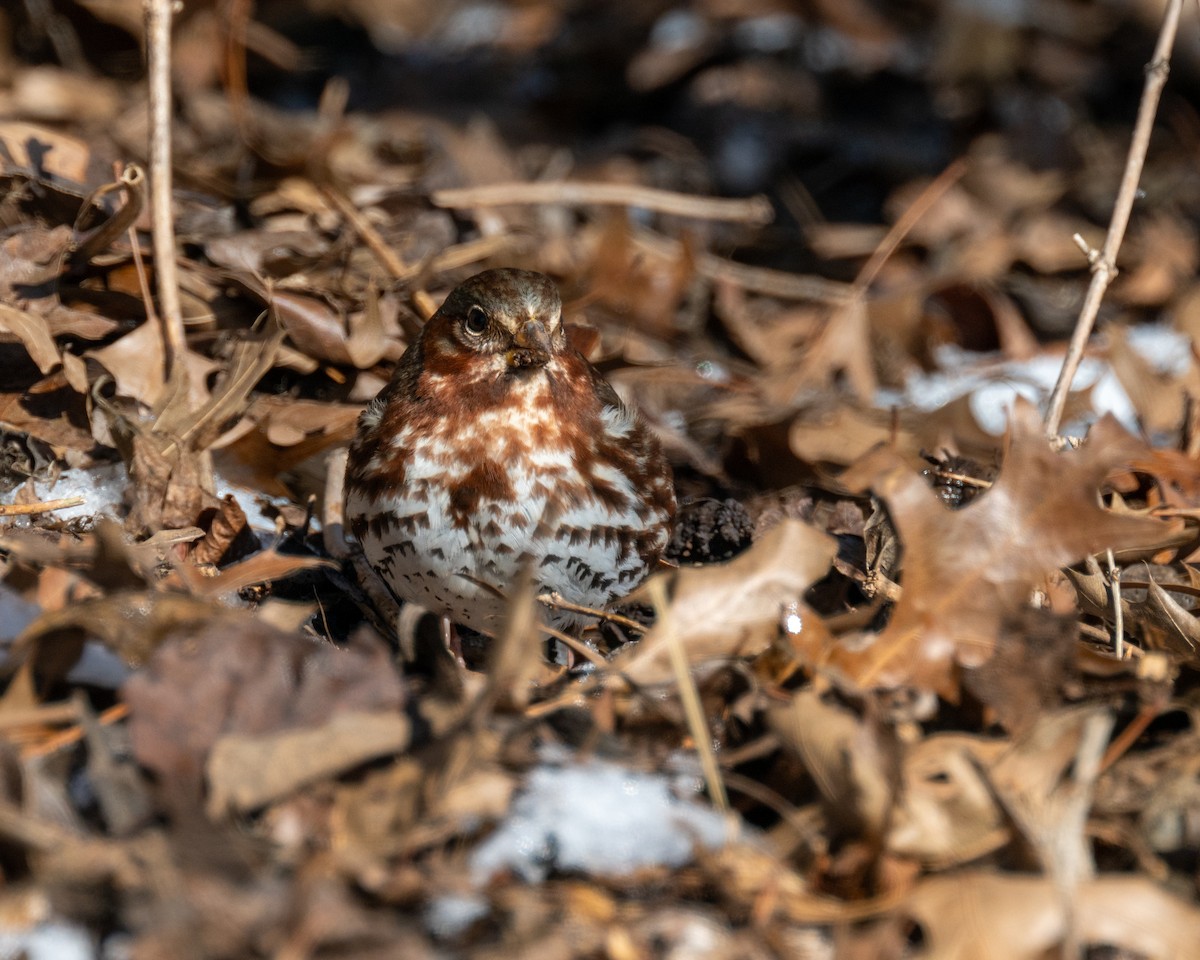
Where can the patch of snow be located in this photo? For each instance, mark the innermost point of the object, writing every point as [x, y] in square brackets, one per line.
[1167, 350]
[1008, 13]
[769, 33]
[97, 666]
[117, 946]
[47, 941]
[993, 385]
[475, 25]
[451, 914]
[16, 613]
[599, 817]
[254, 505]
[678, 30]
[102, 488]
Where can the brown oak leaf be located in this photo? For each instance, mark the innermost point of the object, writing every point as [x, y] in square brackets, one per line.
[968, 571]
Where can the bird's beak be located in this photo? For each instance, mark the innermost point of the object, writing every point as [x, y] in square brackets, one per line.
[533, 336]
[533, 346]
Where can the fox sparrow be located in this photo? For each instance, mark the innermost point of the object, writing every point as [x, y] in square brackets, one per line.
[496, 448]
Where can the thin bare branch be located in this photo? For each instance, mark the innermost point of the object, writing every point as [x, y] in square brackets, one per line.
[1104, 265]
[764, 280]
[558, 602]
[1114, 579]
[333, 516]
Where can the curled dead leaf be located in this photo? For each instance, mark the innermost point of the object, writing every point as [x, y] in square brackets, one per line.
[34, 335]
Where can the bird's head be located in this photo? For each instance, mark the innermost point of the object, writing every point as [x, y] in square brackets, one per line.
[511, 320]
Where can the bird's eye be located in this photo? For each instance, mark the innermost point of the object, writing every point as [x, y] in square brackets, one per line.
[476, 321]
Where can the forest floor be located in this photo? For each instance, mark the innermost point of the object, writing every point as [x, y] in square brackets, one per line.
[920, 683]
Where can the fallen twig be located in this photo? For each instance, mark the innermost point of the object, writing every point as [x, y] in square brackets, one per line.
[965, 479]
[45, 506]
[1127, 737]
[764, 280]
[577, 646]
[557, 602]
[43, 715]
[386, 256]
[1114, 580]
[903, 226]
[333, 515]
[752, 210]
[73, 734]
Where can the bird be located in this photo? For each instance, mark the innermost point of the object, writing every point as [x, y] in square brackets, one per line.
[497, 451]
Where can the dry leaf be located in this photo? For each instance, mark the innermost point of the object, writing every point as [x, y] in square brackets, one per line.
[843, 434]
[136, 364]
[31, 330]
[167, 490]
[1045, 783]
[946, 813]
[968, 571]
[990, 916]
[233, 675]
[228, 534]
[1179, 629]
[265, 566]
[732, 609]
[1025, 674]
[247, 771]
[842, 349]
[43, 153]
[853, 762]
[1167, 253]
[1159, 399]
[367, 343]
[130, 622]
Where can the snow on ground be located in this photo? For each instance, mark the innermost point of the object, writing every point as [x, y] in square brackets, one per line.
[993, 383]
[103, 489]
[591, 816]
[599, 817]
[46, 941]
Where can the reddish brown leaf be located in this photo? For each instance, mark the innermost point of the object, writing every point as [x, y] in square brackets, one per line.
[313, 326]
[1025, 674]
[967, 571]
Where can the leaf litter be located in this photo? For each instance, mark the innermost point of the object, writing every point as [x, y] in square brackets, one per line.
[896, 599]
